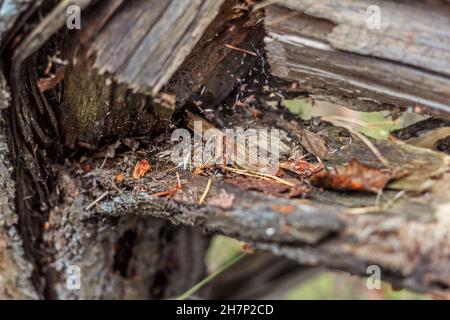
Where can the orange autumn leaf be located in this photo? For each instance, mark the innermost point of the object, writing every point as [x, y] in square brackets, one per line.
[355, 176]
[140, 169]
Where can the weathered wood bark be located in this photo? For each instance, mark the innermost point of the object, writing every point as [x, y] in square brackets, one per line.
[330, 51]
[106, 95]
[146, 54]
[128, 57]
[70, 209]
[15, 269]
[408, 239]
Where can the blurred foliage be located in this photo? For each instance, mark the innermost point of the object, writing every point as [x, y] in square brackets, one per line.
[336, 285]
[373, 124]
[327, 285]
[220, 251]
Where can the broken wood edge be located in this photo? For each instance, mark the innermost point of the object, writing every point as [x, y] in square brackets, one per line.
[308, 57]
[407, 237]
[314, 234]
[15, 268]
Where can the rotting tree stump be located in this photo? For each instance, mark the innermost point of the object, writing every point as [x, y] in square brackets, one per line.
[118, 104]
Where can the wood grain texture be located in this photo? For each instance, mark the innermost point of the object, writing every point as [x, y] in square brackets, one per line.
[151, 40]
[15, 268]
[145, 59]
[327, 47]
[408, 240]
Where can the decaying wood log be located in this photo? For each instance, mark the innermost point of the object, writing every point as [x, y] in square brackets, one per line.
[328, 48]
[135, 62]
[15, 269]
[114, 255]
[409, 240]
[406, 234]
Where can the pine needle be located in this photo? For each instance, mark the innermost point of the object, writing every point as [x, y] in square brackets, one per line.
[259, 175]
[212, 276]
[205, 193]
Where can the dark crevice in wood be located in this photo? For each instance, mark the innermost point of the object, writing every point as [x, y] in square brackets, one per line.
[124, 253]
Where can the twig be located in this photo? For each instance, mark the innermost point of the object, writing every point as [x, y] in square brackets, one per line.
[93, 203]
[205, 193]
[171, 190]
[256, 174]
[229, 46]
[211, 277]
[394, 199]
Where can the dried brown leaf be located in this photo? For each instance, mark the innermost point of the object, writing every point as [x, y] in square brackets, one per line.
[355, 176]
[302, 168]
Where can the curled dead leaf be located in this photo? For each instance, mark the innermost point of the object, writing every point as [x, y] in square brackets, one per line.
[314, 143]
[45, 84]
[357, 177]
[302, 168]
[140, 169]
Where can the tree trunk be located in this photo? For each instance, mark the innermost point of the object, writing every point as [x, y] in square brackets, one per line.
[105, 96]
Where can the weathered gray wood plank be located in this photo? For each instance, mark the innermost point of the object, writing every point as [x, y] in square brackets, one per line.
[153, 39]
[147, 58]
[327, 47]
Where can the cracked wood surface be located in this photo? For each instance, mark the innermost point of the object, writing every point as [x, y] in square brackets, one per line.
[408, 238]
[133, 75]
[327, 48]
[161, 36]
[15, 269]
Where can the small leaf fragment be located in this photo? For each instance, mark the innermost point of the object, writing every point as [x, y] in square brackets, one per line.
[119, 177]
[140, 169]
[302, 168]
